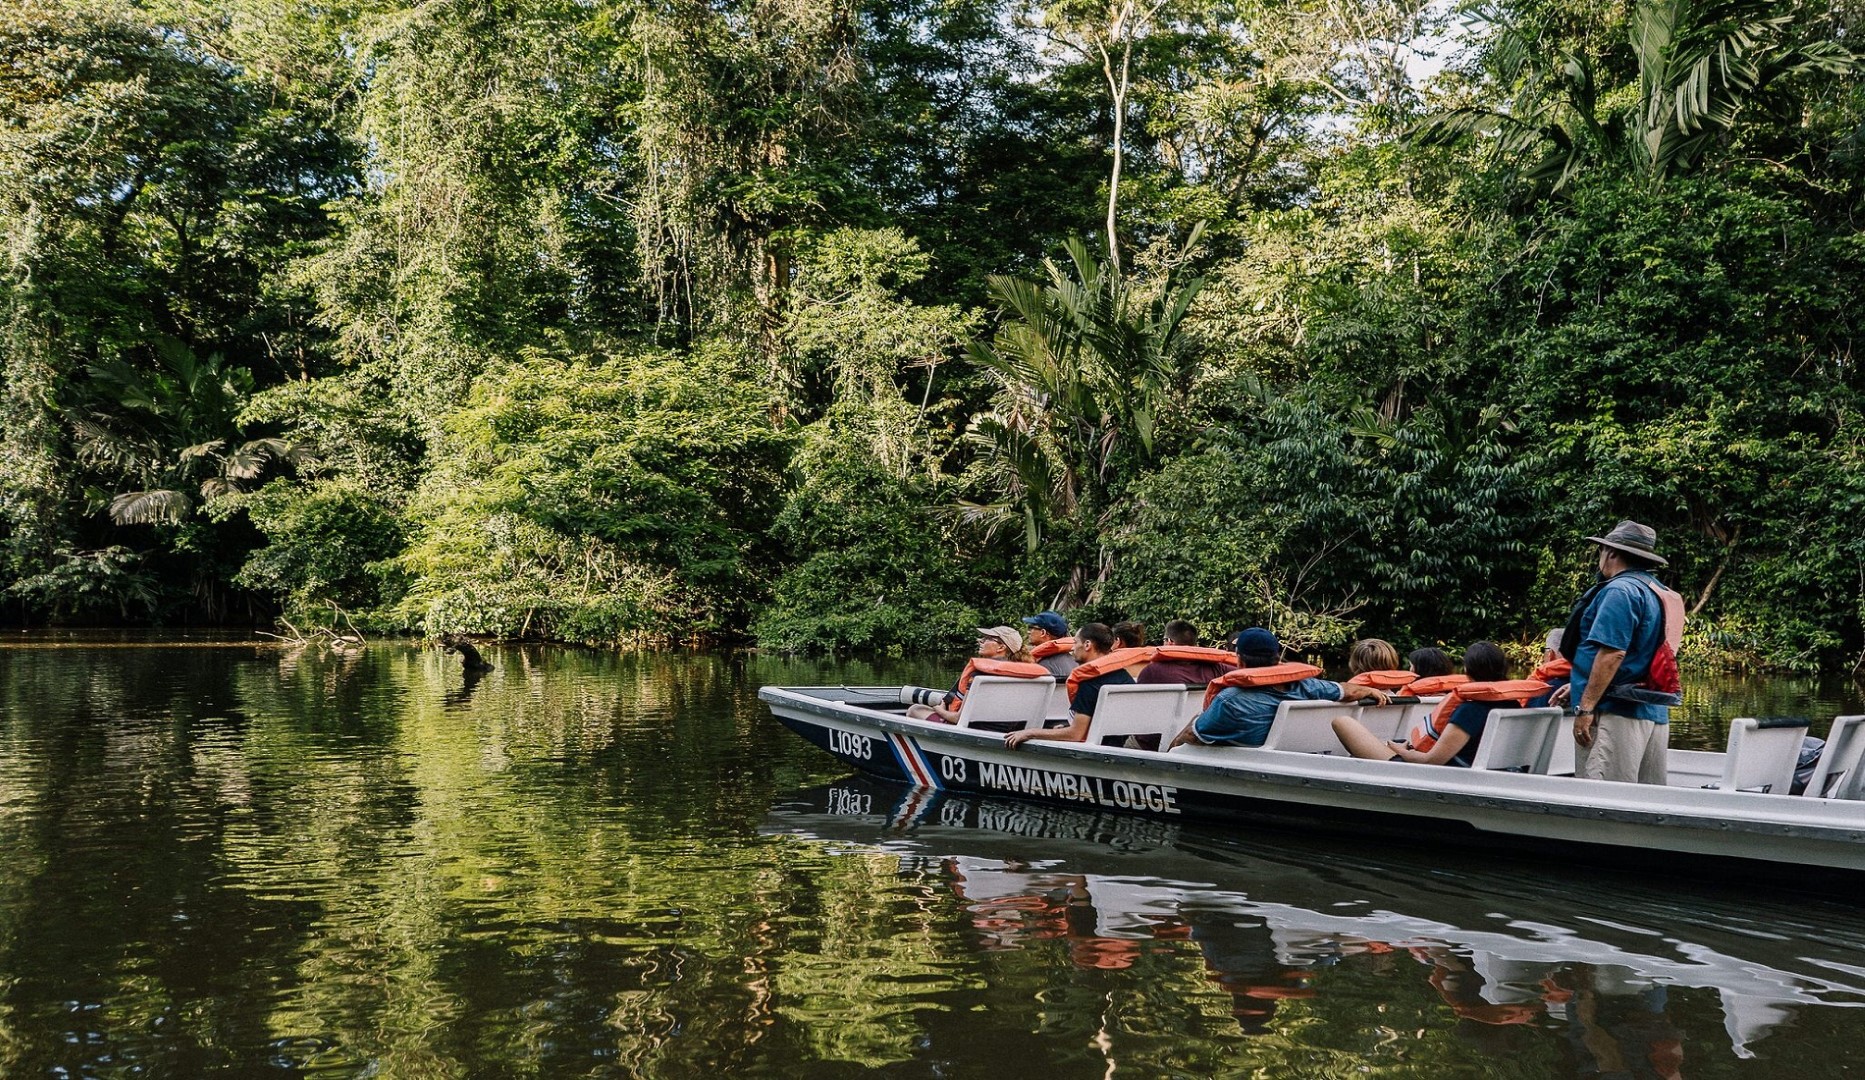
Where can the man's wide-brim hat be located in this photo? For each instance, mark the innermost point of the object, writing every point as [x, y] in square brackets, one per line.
[1638, 541]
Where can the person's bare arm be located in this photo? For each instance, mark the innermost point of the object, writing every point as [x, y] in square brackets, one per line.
[1446, 748]
[1353, 692]
[1599, 680]
[1076, 731]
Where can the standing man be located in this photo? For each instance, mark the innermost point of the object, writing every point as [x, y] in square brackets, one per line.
[1049, 643]
[1612, 637]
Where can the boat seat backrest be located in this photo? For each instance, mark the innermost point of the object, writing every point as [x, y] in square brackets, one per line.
[1150, 709]
[1307, 727]
[1058, 702]
[1838, 775]
[1762, 755]
[1389, 721]
[1518, 740]
[997, 700]
[1564, 761]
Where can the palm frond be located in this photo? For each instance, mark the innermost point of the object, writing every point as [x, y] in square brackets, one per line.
[150, 507]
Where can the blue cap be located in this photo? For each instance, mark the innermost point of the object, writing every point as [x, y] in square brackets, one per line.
[1258, 642]
[1052, 621]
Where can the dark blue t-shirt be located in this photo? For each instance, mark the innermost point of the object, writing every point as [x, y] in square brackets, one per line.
[1088, 691]
[1473, 717]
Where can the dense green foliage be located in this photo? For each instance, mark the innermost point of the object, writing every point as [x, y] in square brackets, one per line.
[614, 321]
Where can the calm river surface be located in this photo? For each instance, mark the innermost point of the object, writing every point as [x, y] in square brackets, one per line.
[236, 860]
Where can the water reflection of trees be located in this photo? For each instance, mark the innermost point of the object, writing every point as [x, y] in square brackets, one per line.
[253, 861]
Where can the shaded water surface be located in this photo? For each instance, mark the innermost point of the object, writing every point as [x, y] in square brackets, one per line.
[235, 860]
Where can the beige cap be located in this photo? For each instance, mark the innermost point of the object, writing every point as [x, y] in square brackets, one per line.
[1011, 638]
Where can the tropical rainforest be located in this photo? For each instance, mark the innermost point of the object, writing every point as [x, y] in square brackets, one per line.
[846, 325]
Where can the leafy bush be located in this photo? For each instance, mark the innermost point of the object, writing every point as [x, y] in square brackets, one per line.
[878, 571]
[598, 499]
[324, 541]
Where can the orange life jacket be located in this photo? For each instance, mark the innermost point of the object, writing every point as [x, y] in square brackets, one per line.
[1385, 680]
[1204, 653]
[1558, 668]
[1437, 684]
[1108, 662]
[1010, 669]
[1249, 677]
[1426, 735]
[1051, 648]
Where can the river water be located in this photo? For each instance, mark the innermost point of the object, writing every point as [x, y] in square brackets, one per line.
[222, 859]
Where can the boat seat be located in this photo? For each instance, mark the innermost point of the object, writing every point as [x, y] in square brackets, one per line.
[1391, 721]
[1057, 709]
[1307, 727]
[1005, 704]
[1150, 709]
[1564, 760]
[1838, 775]
[1762, 755]
[1518, 740]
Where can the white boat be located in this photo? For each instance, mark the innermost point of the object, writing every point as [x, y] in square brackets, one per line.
[1720, 810]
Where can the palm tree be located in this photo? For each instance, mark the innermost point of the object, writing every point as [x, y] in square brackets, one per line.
[1084, 366]
[1701, 65]
[170, 431]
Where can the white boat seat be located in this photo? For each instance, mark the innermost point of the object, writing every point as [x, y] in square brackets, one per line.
[1838, 775]
[1004, 703]
[1390, 721]
[1057, 709]
[1307, 727]
[1518, 740]
[1762, 755]
[1152, 709]
[1564, 761]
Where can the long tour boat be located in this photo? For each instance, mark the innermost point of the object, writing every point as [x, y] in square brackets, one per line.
[1720, 810]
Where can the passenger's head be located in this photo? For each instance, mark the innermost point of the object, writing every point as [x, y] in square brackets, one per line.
[1551, 646]
[1372, 654]
[1093, 640]
[1130, 634]
[1180, 632]
[1429, 661]
[1257, 647]
[1484, 662]
[1046, 626]
[999, 642]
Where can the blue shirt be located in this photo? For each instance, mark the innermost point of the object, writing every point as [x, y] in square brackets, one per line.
[1625, 614]
[1240, 716]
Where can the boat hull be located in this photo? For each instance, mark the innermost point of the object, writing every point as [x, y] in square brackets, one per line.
[1519, 813]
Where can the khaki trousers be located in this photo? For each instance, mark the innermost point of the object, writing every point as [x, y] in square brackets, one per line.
[1626, 749]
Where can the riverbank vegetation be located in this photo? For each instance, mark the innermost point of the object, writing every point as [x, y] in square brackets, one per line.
[852, 324]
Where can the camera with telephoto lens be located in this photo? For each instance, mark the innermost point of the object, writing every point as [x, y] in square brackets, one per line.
[921, 695]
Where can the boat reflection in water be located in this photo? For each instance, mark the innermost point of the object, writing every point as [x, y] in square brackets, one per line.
[1577, 954]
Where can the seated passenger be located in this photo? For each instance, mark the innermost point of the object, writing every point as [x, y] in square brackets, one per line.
[1092, 642]
[1050, 644]
[1448, 741]
[1555, 669]
[1181, 672]
[1430, 662]
[1374, 662]
[1371, 654]
[1240, 716]
[1130, 635]
[994, 643]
